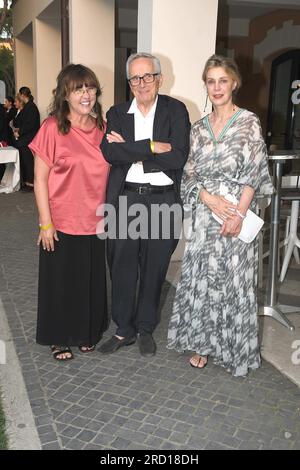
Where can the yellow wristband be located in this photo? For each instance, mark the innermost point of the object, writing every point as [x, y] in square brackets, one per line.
[45, 227]
[152, 146]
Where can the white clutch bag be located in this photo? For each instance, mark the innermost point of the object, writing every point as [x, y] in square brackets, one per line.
[251, 223]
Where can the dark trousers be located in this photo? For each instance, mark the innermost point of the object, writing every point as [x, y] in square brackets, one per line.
[2, 170]
[26, 164]
[138, 268]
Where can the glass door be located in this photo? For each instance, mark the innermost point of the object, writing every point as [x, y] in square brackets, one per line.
[283, 130]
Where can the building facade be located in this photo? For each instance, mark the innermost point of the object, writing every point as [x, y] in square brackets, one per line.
[103, 32]
[263, 37]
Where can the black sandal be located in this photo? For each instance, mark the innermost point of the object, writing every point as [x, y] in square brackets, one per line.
[59, 350]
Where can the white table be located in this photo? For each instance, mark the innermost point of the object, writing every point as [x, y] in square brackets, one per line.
[11, 178]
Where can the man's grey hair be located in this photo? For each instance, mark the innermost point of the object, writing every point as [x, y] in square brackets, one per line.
[143, 55]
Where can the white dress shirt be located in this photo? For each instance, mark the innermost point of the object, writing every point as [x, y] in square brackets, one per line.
[143, 129]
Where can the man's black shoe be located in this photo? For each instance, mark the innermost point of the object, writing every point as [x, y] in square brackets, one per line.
[146, 344]
[113, 344]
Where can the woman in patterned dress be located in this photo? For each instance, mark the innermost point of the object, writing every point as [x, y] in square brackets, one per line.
[215, 307]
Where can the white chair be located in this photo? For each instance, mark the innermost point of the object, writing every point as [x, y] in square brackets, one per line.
[291, 242]
[285, 216]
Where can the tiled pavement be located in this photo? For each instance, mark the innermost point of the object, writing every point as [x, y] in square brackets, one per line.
[124, 401]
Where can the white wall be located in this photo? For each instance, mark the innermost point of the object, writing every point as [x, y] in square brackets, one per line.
[24, 64]
[183, 35]
[92, 41]
[25, 10]
[47, 60]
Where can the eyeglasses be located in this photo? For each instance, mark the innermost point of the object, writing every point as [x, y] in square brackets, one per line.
[91, 90]
[147, 78]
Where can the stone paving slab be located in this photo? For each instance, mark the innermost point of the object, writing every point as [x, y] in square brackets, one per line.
[124, 401]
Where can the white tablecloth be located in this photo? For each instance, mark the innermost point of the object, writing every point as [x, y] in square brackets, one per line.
[11, 178]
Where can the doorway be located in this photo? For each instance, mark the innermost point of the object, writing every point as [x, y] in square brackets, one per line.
[283, 127]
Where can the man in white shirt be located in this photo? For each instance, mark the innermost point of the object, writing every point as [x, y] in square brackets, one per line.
[147, 144]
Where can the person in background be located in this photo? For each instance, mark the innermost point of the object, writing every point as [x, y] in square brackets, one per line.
[70, 183]
[19, 105]
[3, 130]
[15, 123]
[26, 125]
[3, 136]
[11, 112]
[215, 307]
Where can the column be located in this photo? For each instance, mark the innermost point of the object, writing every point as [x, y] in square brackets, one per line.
[47, 60]
[92, 41]
[23, 57]
[183, 35]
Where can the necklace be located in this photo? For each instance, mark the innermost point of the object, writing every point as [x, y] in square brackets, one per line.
[216, 120]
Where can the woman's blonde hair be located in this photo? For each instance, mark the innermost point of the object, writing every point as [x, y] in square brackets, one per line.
[228, 64]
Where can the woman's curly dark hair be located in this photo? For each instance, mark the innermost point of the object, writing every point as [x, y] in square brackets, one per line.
[70, 78]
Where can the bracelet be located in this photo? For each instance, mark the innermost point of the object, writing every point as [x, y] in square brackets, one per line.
[45, 227]
[152, 146]
[240, 214]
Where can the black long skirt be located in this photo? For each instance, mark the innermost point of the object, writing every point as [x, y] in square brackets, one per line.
[72, 306]
[26, 165]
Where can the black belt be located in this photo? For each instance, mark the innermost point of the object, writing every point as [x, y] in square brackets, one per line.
[142, 189]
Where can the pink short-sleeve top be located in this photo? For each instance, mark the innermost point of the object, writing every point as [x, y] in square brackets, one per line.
[78, 176]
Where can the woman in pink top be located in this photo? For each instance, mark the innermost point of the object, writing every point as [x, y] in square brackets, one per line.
[70, 183]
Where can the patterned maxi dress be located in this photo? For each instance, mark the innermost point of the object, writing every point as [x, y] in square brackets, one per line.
[215, 307]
